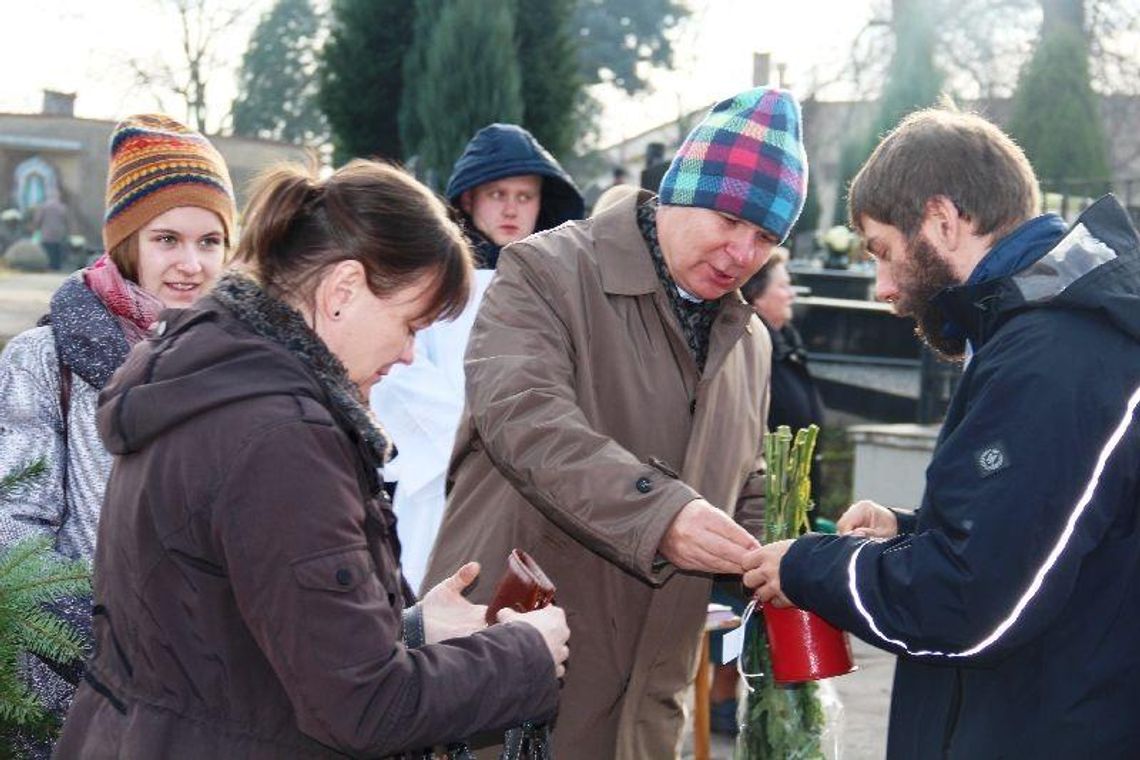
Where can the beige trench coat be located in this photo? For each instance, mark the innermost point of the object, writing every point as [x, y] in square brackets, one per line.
[583, 405]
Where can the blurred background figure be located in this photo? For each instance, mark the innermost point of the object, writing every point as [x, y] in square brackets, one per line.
[504, 187]
[620, 177]
[795, 399]
[51, 221]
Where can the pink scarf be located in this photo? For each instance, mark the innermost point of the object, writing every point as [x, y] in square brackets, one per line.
[135, 309]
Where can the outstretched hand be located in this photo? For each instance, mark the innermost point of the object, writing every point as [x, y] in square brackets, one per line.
[447, 613]
[705, 539]
[762, 573]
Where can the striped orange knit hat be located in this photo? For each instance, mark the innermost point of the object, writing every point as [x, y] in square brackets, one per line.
[158, 164]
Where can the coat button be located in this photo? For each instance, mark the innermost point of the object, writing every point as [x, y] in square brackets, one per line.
[643, 485]
[693, 406]
[344, 576]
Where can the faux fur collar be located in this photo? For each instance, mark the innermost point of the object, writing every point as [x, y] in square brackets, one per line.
[277, 321]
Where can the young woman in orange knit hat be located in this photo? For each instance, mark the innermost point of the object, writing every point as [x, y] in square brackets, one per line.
[167, 231]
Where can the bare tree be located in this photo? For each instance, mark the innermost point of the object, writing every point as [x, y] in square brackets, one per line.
[201, 23]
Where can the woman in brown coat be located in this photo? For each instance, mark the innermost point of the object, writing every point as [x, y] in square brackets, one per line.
[248, 595]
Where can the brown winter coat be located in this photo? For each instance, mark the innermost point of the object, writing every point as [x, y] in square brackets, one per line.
[583, 401]
[246, 580]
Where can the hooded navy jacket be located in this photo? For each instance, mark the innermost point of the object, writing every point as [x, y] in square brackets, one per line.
[506, 150]
[1012, 596]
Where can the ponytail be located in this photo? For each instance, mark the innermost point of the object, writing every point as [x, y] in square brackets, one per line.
[271, 216]
[297, 225]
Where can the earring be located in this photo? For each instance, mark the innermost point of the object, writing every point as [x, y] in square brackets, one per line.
[336, 313]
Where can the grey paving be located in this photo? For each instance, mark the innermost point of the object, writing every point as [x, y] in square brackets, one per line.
[24, 299]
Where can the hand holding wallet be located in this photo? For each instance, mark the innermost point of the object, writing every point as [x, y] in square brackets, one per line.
[523, 587]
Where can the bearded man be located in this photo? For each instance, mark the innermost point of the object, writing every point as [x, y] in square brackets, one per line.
[1012, 596]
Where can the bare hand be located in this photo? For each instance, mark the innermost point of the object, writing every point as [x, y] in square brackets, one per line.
[705, 539]
[762, 573]
[447, 613]
[550, 621]
[866, 518]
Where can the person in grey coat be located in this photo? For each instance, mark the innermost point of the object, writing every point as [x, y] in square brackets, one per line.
[168, 226]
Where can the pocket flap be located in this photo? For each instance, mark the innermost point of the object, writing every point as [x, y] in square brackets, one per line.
[339, 570]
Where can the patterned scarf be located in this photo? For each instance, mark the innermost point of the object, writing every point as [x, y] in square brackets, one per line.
[696, 317]
[135, 309]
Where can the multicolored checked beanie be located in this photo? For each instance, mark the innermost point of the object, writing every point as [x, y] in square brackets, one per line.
[746, 158]
[158, 164]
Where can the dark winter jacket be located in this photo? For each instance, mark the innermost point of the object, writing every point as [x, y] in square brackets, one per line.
[1013, 596]
[795, 400]
[506, 150]
[248, 596]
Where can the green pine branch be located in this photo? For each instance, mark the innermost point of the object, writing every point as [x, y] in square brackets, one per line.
[15, 484]
[782, 721]
[31, 574]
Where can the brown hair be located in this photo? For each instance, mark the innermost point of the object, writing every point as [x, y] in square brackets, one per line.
[296, 226]
[961, 156]
[758, 282]
[125, 255]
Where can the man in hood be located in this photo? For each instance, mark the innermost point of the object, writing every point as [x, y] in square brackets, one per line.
[1011, 595]
[506, 186]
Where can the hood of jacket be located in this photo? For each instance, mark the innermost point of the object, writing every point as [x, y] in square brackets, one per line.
[236, 344]
[1095, 267]
[507, 150]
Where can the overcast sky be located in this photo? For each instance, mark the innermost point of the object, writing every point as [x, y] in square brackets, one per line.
[84, 47]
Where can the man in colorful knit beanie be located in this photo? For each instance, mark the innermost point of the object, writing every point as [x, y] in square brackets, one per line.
[1010, 594]
[617, 393]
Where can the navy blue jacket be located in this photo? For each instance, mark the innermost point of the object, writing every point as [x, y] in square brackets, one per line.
[1012, 597]
[506, 150]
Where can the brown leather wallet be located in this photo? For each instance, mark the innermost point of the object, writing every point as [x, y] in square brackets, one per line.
[523, 587]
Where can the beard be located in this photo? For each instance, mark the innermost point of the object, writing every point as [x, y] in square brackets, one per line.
[927, 275]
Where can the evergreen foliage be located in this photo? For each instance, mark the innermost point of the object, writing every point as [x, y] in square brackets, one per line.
[473, 70]
[617, 35]
[361, 76]
[426, 19]
[1056, 116]
[547, 55]
[277, 82]
[31, 575]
